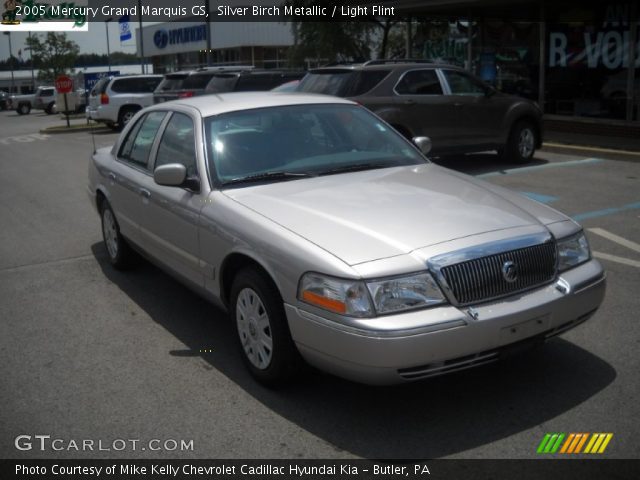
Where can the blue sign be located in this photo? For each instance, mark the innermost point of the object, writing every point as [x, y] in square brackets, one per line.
[161, 38]
[90, 79]
[196, 33]
[125, 31]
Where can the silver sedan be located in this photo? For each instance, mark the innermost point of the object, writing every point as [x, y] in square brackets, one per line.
[332, 240]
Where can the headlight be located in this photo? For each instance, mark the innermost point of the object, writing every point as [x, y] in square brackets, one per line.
[572, 251]
[346, 297]
[405, 293]
[363, 299]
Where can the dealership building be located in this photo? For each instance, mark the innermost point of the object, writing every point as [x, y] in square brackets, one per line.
[181, 45]
[578, 59]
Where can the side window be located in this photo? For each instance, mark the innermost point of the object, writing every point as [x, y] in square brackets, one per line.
[178, 144]
[419, 82]
[462, 84]
[137, 145]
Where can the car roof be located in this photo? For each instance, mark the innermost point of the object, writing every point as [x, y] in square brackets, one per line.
[384, 66]
[216, 104]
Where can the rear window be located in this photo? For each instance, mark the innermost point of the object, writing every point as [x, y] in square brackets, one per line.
[135, 84]
[222, 83]
[171, 82]
[366, 80]
[197, 81]
[329, 82]
[100, 86]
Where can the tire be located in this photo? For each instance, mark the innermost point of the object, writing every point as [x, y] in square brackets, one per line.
[51, 108]
[118, 251]
[125, 116]
[257, 312]
[521, 144]
[24, 109]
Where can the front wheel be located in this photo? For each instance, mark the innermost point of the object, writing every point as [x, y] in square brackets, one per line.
[118, 250]
[261, 325]
[522, 143]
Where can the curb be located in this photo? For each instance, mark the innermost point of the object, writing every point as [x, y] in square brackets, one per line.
[72, 129]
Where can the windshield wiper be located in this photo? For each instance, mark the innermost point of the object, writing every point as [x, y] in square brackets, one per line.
[267, 176]
[354, 168]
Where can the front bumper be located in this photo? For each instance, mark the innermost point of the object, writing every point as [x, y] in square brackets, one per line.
[447, 338]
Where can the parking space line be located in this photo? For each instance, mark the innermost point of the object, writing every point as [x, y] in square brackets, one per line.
[570, 163]
[591, 149]
[615, 238]
[615, 258]
[607, 211]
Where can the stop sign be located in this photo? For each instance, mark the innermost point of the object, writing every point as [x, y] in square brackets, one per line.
[64, 84]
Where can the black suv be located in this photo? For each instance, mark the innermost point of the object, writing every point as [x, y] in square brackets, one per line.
[251, 80]
[220, 80]
[457, 110]
[188, 83]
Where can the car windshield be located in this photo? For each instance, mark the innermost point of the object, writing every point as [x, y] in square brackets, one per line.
[298, 141]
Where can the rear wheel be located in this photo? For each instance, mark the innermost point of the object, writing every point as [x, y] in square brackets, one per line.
[125, 116]
[51, 108]
[24, 109]
[118, 250]
[257, 310]
[522, 142]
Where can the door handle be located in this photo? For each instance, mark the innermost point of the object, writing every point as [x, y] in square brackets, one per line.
[145, 193]
[457, 104]
[112, 176]
[409, 102]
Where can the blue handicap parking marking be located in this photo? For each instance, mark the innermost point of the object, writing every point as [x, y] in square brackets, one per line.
[539, 197]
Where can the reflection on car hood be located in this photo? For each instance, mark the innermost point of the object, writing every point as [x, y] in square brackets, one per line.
[375, 214]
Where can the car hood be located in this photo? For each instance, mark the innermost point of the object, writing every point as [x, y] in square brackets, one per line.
[365, 216]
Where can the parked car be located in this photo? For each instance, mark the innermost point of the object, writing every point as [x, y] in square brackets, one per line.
[115, 100]
[5, 100]
[289, 86]
[331, 239]
[251, 80]
[457, 110]
[189, 83]
[44, 98]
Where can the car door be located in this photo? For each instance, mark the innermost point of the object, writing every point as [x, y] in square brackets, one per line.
[131, 172]
[171, 214]
[424, 108]
[478, 112]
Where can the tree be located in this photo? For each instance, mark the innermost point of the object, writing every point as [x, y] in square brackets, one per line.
[53, 55]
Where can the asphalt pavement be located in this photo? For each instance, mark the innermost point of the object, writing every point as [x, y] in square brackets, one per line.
[89, 353]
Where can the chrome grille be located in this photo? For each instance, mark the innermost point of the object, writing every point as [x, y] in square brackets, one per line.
[482, 279]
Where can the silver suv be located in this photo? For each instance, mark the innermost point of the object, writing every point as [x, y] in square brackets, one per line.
[115, 100]
[457, 110]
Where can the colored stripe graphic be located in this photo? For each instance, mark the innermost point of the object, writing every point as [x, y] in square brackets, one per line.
[573, 443]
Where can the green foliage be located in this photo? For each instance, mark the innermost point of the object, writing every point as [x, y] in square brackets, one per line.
[53, 54]
[329, 41]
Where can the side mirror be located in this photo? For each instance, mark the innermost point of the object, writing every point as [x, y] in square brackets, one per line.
[423, 143]
[170, 175]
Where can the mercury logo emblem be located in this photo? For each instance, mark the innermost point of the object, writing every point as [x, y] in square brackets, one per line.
[509, 271]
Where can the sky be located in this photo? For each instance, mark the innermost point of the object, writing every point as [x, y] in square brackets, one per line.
[93, 41]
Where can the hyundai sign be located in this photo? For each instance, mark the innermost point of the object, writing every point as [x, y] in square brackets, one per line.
[178, 36]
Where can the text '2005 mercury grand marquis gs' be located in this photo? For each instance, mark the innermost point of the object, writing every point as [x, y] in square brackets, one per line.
[331, 239]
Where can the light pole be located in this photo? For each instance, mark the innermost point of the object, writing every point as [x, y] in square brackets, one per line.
[33, 76]
[10, 61]
[106, 29]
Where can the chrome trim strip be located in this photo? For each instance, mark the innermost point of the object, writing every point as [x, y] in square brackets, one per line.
[438, 327]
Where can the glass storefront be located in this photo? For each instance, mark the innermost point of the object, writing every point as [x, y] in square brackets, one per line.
[590, 55]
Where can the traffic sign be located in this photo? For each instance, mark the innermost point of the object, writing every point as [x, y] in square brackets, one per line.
[64, 84]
